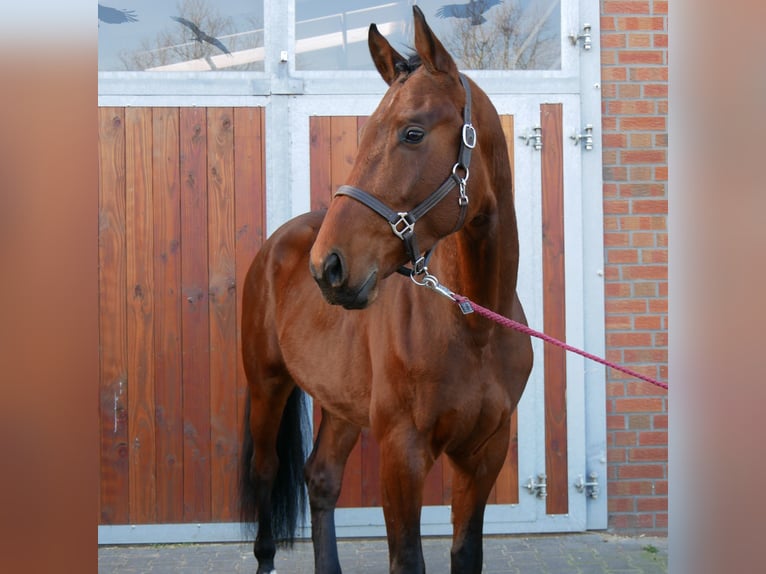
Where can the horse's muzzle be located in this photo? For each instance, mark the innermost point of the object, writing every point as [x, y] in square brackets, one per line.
[332, 277]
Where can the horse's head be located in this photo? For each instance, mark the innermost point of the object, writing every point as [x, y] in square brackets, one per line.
[407, 185]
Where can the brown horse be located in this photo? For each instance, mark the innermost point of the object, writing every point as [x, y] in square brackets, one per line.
[371, 347]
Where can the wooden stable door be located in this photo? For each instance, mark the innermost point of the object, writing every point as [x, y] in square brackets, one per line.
[181, 216]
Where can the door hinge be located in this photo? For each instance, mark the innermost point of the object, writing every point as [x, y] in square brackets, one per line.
[590, 488]
[587, 40]
[538, 488]
[534, 137]
[586, 136]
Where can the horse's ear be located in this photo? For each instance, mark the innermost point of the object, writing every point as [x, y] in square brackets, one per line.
[431, 51]
[384, 56]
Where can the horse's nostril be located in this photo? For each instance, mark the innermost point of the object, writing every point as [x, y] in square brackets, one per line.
[334, 272]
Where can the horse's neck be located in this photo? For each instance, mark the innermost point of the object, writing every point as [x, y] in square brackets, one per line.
[488, 255]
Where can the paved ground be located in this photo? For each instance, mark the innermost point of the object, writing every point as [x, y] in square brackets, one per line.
[590, 553]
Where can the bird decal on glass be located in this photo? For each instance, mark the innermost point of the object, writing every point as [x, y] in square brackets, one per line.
[473, 11]
[201, 36]
[110, 15]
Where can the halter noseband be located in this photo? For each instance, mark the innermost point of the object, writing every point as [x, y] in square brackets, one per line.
[403, 222]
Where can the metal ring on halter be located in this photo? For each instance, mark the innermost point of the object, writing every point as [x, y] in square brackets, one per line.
[462, 180]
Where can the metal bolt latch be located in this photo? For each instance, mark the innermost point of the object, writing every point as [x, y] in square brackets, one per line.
[586, 136]
[539, 488]
[590, 488]
[587, 40]
[534, 137]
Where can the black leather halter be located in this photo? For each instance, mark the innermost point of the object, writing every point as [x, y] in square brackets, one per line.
[403, 222]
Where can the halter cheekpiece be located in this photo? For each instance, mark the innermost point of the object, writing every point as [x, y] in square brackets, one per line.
[403, 222]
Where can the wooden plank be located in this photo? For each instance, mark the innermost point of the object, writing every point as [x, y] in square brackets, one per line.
[194, 315]
[344, 147]
[250, 221]
[113, 375]
[320, 152]
[554, 308]
[167, 315]
[140, 298]
[223, 314]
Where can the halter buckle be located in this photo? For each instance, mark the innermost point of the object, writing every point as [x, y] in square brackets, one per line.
[403, 226]
[469, 136]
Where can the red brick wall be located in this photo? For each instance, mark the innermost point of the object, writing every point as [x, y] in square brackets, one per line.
[634, 60]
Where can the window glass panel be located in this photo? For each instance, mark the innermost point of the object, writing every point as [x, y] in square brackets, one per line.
[480, 34]
[180, 35]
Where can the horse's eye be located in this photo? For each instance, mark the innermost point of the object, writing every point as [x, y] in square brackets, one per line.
[413, 135]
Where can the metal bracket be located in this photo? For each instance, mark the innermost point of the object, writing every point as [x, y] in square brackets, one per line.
[585, 37]
[590, 488]
[586, 136]
[539, 488]
[534, 137]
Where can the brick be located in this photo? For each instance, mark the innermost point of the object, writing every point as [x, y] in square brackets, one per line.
[649, 74]
[615, 290]
[642, 223]
[661, 173]
[639, 140]
[615, 389]
[623, 504]
[643, 239]
[631, 107]
[660, 40]
[660, 421]
[636, 40]
[613, 41]
[661, 140]
[641, 454]
[644, 156]
[639, 422]
[629, 487]
[640, 23]
[640, 471]
[645, 289]
[638, 173]
[661, 339]
[652, 504]
[624, 439]
[629, 57]
[614, 74]
[614, 256]
[650, 206]
[646, 356]
[648, 322]
[638, 405]
[616, 206]
[613, 239]
[654, 256]
[608, 24]
[618, 322]
[617, 173]
[616, 455]
[656, 123]
[655, 90]
[625, 7]
[614, 140]
[659, 305]
[629, 91]
[648, 438]
[646, 272]
[615, 422]
[660, 7]
[625, 306]
[629, 339]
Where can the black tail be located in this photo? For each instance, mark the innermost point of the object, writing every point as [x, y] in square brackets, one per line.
[288, 497]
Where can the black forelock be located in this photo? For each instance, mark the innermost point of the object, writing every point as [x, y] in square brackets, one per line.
[411, 63]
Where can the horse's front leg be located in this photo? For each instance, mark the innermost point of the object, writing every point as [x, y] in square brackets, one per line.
[324, 474]
[472, 480]
[404, 464]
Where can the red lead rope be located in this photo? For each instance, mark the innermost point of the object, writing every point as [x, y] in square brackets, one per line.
[506, 322]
